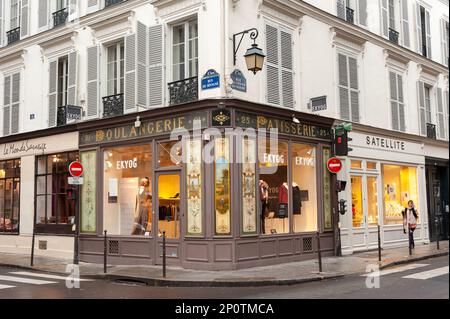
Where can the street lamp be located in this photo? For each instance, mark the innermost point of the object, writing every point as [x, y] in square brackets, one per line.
[254, 57]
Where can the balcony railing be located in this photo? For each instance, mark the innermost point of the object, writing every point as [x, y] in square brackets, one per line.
[68, 114]
[393, 36]
[113, 105]
[112, 2]
[60, 17]
[13, 35]
[431, 131]
[350, 15]
[183, 91]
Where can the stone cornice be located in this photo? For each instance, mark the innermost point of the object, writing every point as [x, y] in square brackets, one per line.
[65, 37]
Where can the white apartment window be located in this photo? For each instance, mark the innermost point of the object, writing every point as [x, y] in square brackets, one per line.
[392, 15]
[423, 25]
[428, 104]
[353, 11]
[445, 41]
[348, 88]
[63, 76]
[185, 50]
[115, 68]
[14, 21]
[397, 102]
[61, 4]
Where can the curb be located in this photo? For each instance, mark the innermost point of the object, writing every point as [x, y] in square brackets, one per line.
[159, 282]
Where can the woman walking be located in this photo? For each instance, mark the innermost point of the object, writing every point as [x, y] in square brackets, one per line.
[410, 222]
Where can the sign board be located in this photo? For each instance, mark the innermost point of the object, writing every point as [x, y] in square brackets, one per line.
[319, 104]
[211, 80]
[334, 165]
[239, 81]
[76, 169]
[76, 180]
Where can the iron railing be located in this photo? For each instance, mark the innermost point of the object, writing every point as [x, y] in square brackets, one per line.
[350, 15]
[113, 105]
[13, 35]
[67, 114]
[393, 36]
[183, 91]
[431, 131]
[60, 17]
[112, 2]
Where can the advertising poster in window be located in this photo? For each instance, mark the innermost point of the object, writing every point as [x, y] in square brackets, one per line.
[249, 186]
[222, 186]
[194, 187]
[88, 192]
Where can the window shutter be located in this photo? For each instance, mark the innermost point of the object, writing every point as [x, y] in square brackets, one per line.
[428, 26]
[15, 103]
[341, 9]
[52, 92]
[446, 96]
[43, 13]
[418, 29]
[287, 73]
[401, 103]
[73, 10]
[93, 5]
[130, 73]
[384, 18]
[25, 19]
[440, 114]
[142, 65]
[422, 113]
[343, 87]
[93, 81]
[362, 11]
[7, 106]
[273, 80]
[394, 99]
[444, 42]
[1, 23]
[156, 66]
[353, 75]
[72, 93]
[405, 24]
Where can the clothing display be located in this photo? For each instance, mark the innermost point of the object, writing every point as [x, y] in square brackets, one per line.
[264, 197]
[142, 210]
[296, 200]
[283, 194]
[168, 213]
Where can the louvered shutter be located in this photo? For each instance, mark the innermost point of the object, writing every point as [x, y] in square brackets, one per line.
[156, 84]
[401, 104]
[341, 9]
[72, 93]
[25, 19]
[142, 65]
[93, 69]
[273, 67]
[343, 87]
[287, 72]
[444, 42]
[73, 10]
[422, 113]
[43, 14]
[7, 106]
[418, 29]
[93, 5]
[354, 88]
[1, 23]
[362, 12]
[394, 99]
[440, 114]
[15, 103]
[130, 73]
[428, 27]
[384, 18]
[446, 97]
[405, 24]
[52, 93]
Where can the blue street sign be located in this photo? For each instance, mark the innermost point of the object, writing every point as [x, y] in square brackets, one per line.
[211, 80]
[239, 81]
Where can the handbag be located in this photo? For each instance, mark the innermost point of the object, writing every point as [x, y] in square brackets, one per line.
[282, 210]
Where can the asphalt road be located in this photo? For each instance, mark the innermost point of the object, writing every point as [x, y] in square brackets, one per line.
[421, 280]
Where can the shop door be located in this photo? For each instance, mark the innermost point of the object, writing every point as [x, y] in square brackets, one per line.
[169, 213]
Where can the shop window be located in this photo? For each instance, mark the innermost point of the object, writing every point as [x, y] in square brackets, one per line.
[357, 201]
[372, 200]
[9, 196]
[327, 211]
[304, 195]
[194, 187]
[249, 217]
[169, 205]
[356, 164]
[169, 154]
[400, 186]
[273, 186]
[55, 198]
[127, 198]
[89, 192]
[222, 198]
[371, 165]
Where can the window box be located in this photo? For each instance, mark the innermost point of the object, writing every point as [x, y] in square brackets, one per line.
[13, 35]
[393, 36]
[431, 131]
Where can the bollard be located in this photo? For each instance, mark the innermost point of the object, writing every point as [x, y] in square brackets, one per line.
[437, 232]
[319, 251]
[164, 255]
[379, 243]
[409, 240]
[105, 253]
[32, 249]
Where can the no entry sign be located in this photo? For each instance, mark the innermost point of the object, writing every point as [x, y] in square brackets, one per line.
[334, 165]
[76, 169]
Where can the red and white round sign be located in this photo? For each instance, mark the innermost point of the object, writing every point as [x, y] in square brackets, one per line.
[334, 165]
[76, 169]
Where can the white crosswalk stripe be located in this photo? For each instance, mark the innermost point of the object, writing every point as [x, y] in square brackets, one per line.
[397, 270]
[47, 276]
[6, 287]
[429, 274]
[26, 280]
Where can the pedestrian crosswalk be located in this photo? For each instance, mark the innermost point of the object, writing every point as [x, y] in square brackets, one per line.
[429, 274]
[421, 275]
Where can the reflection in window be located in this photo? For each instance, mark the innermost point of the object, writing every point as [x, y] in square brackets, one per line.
[127, 199]
[371, 165]
[356, 164]
[169, 154]
[222, 186]
[9, 196]
[304, 195]
[273, 186]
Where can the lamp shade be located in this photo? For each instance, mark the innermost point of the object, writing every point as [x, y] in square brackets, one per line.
[254, 59]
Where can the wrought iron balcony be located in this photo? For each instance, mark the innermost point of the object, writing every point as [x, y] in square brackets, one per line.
[183, 91]
[13, 35]
[113, 105]
[393, 36]
[431, 131]
[112, 2]
[60, 17]
[68, 114]
[350, 15]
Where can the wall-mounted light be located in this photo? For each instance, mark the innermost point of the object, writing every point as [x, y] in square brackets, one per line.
[295, 119]
[254, 57]
[138, 122]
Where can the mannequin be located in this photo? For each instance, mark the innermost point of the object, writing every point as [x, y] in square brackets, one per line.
[296, 199]
[264, 197]
[283, 199]
[143, 208]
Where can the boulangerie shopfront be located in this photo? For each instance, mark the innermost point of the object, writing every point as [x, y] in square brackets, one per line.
[384, 172]
[223, 201]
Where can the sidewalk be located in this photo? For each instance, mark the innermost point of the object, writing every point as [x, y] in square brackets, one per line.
[284, 274]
